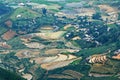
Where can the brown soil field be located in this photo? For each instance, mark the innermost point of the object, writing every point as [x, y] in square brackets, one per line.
[85, 11]
[116, 57]
[107, 8]
[8, 35]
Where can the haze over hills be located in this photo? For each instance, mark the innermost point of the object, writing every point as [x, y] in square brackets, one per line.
[59, 39]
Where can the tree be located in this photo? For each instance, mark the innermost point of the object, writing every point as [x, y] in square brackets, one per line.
[97, 16]
[44, 11]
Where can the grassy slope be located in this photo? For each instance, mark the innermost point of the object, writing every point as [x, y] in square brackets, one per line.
[16, 43]
[2, 30]
[97, 50]
[24, 12]
[99, 78]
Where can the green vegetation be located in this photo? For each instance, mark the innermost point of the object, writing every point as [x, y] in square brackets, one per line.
[7, 75]
[70, 1]
[99, 78]
[104, 69]
[3, 9]
[76, 62]
[96, 50]
[16, 43]
[118, 16]
[112, 25]
[24, 13]
[2, 30]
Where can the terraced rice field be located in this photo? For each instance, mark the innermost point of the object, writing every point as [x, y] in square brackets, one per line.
[46, 35]
[58, 64]
[101, 69]
[57, 58]
[71, 57]
[51, 35]
[27, 53]
[72, 73]
[34, 45]
[41, 60]
[53, 62]
[60, 76]
[52, 51]
[57, 51]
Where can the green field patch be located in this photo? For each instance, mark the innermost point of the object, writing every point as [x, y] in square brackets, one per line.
[16, 43]
[23, 12]
[2, 30]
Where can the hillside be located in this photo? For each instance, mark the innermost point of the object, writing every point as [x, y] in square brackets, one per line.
[59, 40]
[7, 75]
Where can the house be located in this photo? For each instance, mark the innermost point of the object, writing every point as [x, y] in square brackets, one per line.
[21, 4]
